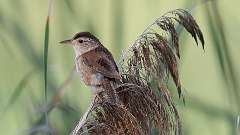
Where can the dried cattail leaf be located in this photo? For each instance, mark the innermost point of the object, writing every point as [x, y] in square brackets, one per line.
[112, 119]
[189, 24]
[146, 108]
[160, 45]
[167, 24]
[146, 56]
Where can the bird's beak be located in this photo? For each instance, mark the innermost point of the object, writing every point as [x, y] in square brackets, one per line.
[69, 42]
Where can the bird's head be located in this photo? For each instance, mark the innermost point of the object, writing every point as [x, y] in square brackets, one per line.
[83, 42]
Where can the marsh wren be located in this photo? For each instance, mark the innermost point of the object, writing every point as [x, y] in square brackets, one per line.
[94, 63]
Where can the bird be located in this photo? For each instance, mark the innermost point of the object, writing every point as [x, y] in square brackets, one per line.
[94, 62]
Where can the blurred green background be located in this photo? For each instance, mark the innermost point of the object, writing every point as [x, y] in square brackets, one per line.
[210, 78]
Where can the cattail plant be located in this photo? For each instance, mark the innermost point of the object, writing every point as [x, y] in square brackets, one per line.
[145, 103]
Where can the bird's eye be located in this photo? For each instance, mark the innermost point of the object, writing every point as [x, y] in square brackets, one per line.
[80, 41]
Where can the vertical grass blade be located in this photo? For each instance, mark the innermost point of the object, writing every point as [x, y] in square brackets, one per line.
[46, 41]
[45, 55]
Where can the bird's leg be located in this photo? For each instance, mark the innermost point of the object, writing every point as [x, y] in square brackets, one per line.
[84, 117]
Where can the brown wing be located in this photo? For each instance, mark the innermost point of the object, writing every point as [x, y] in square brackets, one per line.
[101, 61]
[107, 68]
[104, 51]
